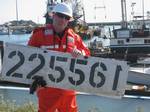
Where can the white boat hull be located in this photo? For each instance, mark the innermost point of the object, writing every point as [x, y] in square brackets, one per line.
[132, 45]
[138, 78]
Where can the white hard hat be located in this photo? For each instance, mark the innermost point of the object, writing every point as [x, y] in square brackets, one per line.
[63, 8]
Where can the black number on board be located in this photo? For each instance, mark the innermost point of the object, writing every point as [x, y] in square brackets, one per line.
[96, 79]
[77, 71]
[101, 75]
[57, 68]
[116, 78]
[38, 67]
[16, 66]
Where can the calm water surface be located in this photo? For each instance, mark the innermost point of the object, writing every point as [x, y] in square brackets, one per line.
[18, 39]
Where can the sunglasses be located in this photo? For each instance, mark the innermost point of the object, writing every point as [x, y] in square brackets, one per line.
[63, 16]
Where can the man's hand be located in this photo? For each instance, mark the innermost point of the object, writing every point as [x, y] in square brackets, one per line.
[76, 52]
[38, 81]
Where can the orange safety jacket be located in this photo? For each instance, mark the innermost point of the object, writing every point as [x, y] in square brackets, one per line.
[45, 37]
[55, 99]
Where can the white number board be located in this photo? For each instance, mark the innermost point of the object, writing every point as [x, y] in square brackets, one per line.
[92, 75]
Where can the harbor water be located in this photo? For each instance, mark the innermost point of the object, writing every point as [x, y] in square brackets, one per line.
[17, 39]
[86, 102]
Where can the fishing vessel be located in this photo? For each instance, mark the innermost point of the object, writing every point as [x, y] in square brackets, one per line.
[132, 40]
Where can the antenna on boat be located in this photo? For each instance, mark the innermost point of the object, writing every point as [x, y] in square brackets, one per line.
[132, 13]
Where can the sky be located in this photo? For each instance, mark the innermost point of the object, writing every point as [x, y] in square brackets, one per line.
[35, 9]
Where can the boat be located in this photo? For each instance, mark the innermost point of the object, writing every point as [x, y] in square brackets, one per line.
[19, 31]
[5, 30]
[132, 40]
[140, 72]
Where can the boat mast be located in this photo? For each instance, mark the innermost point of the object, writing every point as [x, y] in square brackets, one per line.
[48, 15]
[83, 13]
[16, 10]
[124, 14]
[143, 12]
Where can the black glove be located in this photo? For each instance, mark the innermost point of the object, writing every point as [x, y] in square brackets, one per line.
[37, 81]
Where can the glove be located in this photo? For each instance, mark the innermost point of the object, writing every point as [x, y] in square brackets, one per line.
[37, 81]
[76, 52]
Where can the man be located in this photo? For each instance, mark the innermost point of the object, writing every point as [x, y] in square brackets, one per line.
[58, 37]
